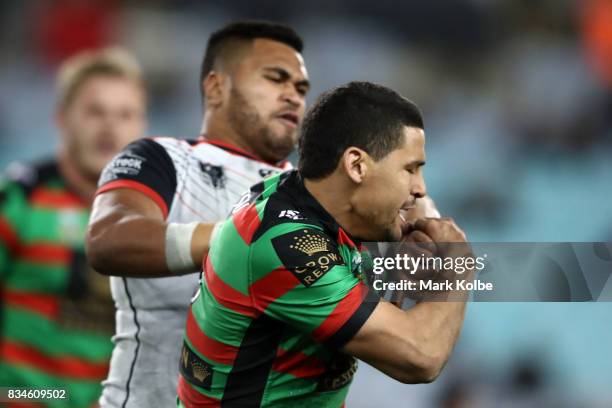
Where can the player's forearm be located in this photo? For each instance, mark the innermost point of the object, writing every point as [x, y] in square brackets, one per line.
[127, 246]
[439, 325]
[411, 346]
[405, 370]
[135, 246]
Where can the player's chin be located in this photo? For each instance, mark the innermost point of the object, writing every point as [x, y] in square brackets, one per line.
[394, 232]
[284, 136]
[283, 142]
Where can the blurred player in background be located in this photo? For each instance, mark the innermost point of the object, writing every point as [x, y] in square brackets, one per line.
[158, 200]
[283, 312]
[57, 314]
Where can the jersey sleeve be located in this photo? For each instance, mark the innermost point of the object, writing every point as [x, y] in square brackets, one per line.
[144, 166]
[300, 278]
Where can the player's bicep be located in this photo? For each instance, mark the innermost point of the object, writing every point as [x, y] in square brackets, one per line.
[122, 203]
[389, 341]
[378, 335]
[125, 235]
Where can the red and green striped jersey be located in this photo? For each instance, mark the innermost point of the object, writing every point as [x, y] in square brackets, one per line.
[280, 294]
[56, 314]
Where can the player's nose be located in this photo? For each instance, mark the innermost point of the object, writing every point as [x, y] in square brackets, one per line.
[419, 189]
[291, 96]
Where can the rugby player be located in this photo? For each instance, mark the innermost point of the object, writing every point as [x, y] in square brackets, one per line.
[283, 313]
[57, 314]
[158, 200]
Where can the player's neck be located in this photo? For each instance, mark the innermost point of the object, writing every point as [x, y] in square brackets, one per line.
[334, 194]
[83, 186]
[216, 128]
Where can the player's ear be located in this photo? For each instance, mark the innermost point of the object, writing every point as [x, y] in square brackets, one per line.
[212, 86]
[355, 163]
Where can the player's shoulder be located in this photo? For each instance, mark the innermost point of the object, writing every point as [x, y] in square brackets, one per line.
[174, 142]
[289, 229]
[279, 210]
[168, 143]
[157, 149]
[25, 177]
[288, 202]
[150, 161]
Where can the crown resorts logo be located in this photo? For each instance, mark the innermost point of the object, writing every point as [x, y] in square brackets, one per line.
[196, 371]
[307, 253]
[310, 244]
[185, 357]
[200, 371]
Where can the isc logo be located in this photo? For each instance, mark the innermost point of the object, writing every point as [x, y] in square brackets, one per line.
[291, 214]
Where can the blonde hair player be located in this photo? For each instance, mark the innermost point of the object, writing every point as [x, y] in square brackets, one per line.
[57, 314]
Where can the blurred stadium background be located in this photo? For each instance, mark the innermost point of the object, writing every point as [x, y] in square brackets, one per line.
[518, 107]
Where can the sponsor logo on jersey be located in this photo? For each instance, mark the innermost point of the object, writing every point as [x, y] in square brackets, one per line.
[339, 373]
[291, 214]
[215, 174]
[307, 253]
[195, 370]
[127, 163]
[266, 172]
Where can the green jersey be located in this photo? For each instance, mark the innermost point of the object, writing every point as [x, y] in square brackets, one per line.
[281, 292]
[56, 314]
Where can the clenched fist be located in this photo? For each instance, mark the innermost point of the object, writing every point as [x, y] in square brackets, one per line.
[430, 238]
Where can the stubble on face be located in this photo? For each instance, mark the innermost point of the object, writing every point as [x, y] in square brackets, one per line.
[247, 122]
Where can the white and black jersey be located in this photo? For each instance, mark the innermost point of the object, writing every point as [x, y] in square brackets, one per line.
[190, 181]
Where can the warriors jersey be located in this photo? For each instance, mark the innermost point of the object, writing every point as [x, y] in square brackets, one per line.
[190, 181]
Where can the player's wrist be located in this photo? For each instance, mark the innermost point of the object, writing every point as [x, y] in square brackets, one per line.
[178, 250]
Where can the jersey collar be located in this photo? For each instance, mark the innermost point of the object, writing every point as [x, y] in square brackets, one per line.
[305, 199]
[230, 148]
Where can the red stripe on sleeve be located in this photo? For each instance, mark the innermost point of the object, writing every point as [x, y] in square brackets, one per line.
[192, 398]
[135, 185]
[8, 235]
[225, 294]
[297, 364]
[46, 305]
[210, 348]
[67, 366]
[246, 222]
[341, 313]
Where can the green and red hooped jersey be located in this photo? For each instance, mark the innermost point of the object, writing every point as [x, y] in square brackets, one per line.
[281, 292]
[56, 314]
